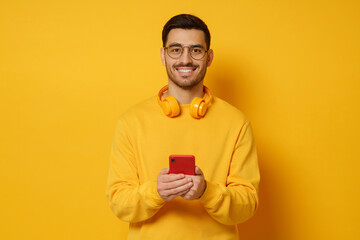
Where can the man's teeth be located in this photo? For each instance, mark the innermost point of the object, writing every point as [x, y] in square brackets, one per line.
[185, 70]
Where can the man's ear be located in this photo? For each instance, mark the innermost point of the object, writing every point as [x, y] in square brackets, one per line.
[162, 55]
[210, 57]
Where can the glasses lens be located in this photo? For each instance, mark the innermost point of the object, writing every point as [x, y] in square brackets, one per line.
[174, 51]
[197, 52]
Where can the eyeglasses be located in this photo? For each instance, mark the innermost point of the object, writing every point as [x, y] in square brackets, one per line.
[196, 52]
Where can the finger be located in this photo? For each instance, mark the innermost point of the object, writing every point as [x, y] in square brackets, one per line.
[177, 191]
[198, 171]
[174, 184]
[164, 171]
[189, 195]
[181, 194]
[184, 193]
[171, 177]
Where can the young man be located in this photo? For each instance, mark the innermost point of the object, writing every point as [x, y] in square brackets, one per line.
[184, 118]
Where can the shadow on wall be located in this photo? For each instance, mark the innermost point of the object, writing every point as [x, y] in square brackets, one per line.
[267, 222]
[234, 87]
[228, 82]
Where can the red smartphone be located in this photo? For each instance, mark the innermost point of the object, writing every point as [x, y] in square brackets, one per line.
[182, 164]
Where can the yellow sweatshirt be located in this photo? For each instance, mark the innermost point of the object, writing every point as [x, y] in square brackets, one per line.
[223, 146]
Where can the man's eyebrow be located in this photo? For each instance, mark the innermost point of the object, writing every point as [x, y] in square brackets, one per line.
[180, 45]
[175, 45]
[197, 45]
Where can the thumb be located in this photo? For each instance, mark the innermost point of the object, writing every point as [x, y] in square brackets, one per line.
[198, 171]
[164, 171]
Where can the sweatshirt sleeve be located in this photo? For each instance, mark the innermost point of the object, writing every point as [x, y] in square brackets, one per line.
[236, 201]
[129, 200]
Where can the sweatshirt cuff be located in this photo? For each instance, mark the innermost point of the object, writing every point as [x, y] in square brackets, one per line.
[211, 195]
[151, 196]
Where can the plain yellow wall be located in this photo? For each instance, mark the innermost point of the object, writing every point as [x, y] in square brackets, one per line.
[68, 69]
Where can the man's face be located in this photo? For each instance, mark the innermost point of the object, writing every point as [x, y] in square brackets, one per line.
[185, 71]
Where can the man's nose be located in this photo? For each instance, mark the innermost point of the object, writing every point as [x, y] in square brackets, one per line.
[185, 57]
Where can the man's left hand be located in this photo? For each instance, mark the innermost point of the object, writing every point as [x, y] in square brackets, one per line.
[199, 185]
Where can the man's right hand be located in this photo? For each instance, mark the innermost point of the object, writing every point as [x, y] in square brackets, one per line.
[169, 186]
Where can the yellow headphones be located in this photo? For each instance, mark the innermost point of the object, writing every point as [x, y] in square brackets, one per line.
[198, 106]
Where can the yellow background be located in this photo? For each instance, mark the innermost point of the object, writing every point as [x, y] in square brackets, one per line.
[68, 69]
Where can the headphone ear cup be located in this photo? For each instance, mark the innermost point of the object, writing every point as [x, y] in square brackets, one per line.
[170, 106]
[198, 107]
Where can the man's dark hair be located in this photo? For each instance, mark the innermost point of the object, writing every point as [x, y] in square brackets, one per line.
[186, 21]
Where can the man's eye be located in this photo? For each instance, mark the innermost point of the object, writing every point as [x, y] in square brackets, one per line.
[175, 50]
[197, 50]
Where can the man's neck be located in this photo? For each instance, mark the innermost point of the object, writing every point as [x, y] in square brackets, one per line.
[184, 96]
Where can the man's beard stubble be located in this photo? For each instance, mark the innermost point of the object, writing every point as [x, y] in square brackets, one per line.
[190, 85]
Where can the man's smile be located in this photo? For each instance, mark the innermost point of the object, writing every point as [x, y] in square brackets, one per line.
[185, 71]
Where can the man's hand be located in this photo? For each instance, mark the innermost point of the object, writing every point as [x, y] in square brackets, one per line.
[199, 186]
[169, 186]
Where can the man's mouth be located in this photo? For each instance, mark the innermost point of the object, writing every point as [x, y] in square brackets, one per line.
[185, 69]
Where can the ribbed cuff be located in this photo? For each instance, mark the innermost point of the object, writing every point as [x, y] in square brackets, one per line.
[151, 196]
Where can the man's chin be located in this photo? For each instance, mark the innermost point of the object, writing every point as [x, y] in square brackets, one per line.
[186, 85]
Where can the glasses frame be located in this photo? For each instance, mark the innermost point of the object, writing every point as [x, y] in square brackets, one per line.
[182, 51]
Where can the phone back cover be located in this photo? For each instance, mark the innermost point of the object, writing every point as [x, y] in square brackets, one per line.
[182, 164]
